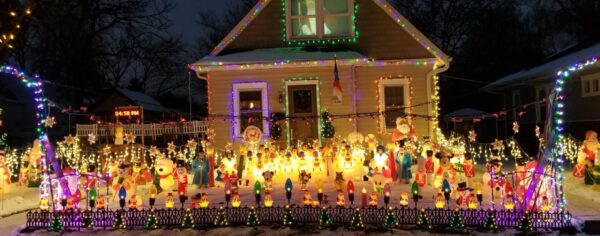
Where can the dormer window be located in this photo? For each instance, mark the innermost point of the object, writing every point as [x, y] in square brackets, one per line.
[319, 19]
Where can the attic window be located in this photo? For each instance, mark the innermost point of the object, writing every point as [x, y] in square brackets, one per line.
[319, 19]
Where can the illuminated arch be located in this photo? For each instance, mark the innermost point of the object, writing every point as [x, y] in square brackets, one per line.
[35, 85]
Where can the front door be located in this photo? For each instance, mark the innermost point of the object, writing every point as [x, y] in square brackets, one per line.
[302, 107]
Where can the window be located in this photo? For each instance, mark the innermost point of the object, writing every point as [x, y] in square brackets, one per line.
[250, 105]
[393, 97]
[590, 85]
[319, 19]
[542, 92]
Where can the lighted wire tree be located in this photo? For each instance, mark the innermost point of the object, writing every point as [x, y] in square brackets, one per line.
[151, 221]
[327, 129]
[57, 224]
[423, 222]
[252, 219]
[525, 225]
[325, 219]
[390, 220]
[222, 219]
[188, 220]
[88, 220]
[356, 222]
[289, 218]
[456, 222]
[490, 222]
[119, 220]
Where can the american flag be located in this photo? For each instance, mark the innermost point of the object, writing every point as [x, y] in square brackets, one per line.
[337, 87]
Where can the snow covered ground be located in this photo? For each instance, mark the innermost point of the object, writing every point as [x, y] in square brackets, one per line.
[582, 203]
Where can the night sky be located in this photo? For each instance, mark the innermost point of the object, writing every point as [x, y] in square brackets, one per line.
[185, 13]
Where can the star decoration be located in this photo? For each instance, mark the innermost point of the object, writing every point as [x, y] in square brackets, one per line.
[472, 136]
[92, 138]
[129, 138]
[515, 127]
[498, 145]
[192, 144]
[153, 150]
[49, 122]
[69, 140]
[171, 147]
[538, 133]
[106, 150]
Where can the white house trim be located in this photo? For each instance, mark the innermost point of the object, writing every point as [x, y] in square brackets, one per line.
[396, 81]
[250, 86]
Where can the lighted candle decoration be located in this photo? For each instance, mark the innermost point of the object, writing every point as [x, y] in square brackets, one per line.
[415, 192]
[288, 189]
[122, 196]
[439, 201]
[479, 194]
[153, 191]
[268, 199]
[320, 191]
[92, 197]
[257, 192]
[235, 200]
[204, 200]
[387, 191]
[364, 197]
[350, 188]
[447, 190]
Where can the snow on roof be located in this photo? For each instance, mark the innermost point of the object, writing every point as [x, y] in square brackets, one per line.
[466, 113]
[546, 70]
[147, 102]
[276, 55]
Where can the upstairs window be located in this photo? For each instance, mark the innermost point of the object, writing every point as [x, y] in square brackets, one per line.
[590, 85]
[319, 19]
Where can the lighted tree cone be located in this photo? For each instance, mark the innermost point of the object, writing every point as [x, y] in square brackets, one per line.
[390, 220]
[119, 220]
[188, 220]
[456, 222]
[88, 220]
[327, 129]
[57, 224]
[151, 221]
[325, 218]
[356, 222]
[525, 225]
[252, 219]
[423, 222]
[489, 224]
[222, 219]
[289, 218]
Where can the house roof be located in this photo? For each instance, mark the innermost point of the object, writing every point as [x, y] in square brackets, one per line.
[147, 102]
[400, 20]
[466, 113]
[276, 55]
[548, 68]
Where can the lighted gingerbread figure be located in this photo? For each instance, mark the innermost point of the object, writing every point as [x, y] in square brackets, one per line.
[164, 171]
[341, 200]
[403, 131]
[170, 201]
[100, 205]
[307, 199]
[445, 170]
[373, 199]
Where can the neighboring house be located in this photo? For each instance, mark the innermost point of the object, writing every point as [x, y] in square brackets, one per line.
[280, 59]
[582, 91]
[151, 109]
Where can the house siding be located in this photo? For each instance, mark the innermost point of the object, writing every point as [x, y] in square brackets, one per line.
[366, 94]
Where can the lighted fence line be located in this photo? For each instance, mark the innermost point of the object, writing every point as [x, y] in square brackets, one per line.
[204, 217]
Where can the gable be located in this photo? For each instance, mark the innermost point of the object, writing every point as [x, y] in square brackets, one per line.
[380, 28]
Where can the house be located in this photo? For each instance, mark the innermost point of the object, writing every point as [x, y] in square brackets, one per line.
[280, 60]
[528, 88]
[124, 101]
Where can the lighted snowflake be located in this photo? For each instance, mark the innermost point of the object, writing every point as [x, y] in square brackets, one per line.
[192, 144]
[171, 147]
[498, 145]
[69, 140]
[106, 150]
[49, 122]
[538, 133]
[129, 138]
[472, 136]
[515, 127]
[91, 138]
[153, 150]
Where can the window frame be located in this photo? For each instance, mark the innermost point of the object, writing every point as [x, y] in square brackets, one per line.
[249, 87]
[547, 88]
[320, 18]
[591, 82]
[392, 82]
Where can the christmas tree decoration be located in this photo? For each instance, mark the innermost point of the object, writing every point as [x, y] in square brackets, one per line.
[390, 220]
[456, 222]
[356, 222]
[275, 124]
[325, 218]
[56, 225]
[327, 129]
[423, 222]
[525, 225]
[252, 219]
[289, 218]
[119, 220]
[151, 221]
[88, 220]
[490, 222]
[222, 219]
[188, 220]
